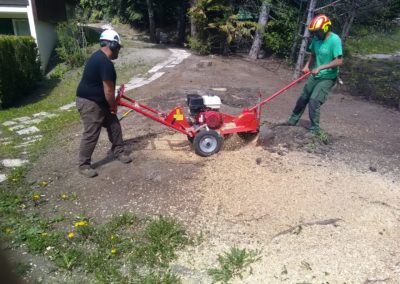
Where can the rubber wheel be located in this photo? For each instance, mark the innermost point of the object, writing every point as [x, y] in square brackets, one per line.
[207, 143]
[247, 136]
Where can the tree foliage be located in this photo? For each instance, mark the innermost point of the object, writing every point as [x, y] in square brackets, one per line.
[281, 29]
[72, 43]
[218, 25]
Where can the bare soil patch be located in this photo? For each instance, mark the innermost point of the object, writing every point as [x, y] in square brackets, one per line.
[331, 215]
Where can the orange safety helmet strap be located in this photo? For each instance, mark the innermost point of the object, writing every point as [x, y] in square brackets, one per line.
[320, 22]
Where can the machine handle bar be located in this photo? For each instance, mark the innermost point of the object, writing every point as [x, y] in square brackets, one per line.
[301, 78]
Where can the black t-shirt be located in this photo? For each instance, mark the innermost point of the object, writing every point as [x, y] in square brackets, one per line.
[98, 68]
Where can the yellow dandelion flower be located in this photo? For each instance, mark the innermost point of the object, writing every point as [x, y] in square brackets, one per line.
[71, 235]
[36, 197]
[113, 251]
[43, 183]
[44, 234]
[112, 237]
[64, 196]
[8, 231]
[81, 223]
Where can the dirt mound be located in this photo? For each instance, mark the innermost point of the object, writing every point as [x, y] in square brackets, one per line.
[282, 138]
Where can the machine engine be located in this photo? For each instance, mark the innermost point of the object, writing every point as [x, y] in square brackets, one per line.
[205, 110]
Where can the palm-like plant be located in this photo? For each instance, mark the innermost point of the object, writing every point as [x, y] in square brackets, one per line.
[217, 24]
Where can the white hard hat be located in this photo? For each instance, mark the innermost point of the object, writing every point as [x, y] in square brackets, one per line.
[110, 35]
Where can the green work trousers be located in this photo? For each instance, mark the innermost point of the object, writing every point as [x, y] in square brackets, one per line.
[314, 94]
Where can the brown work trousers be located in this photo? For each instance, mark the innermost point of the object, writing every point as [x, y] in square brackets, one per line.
[94, 117]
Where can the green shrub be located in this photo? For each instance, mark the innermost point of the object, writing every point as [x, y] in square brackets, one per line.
[59, 72]
[19, 68]
[72, 44]
[199, 46]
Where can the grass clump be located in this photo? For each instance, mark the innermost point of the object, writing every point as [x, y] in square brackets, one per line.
[323, 137]
[165, 277]
[159, 242]
[233, 264]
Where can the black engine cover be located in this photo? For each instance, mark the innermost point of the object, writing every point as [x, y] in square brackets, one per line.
[195, 103]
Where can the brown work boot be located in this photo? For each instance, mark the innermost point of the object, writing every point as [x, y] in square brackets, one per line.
[87, 171]
[124, 158]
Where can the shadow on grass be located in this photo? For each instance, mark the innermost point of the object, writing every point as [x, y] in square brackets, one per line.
[39, 92]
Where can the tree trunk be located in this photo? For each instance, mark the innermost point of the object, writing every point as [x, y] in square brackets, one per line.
[182, 24]
[304, 41]
[349, 21]
[262, 22]
[296, 37]
[152, 23]
[193, 28]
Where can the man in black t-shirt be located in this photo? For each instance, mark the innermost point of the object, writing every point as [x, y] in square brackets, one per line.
[97, 105]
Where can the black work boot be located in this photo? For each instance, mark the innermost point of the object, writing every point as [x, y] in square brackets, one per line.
[87, 171]
[124, 158]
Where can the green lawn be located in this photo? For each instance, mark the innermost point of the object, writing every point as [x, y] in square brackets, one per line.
[367, 42]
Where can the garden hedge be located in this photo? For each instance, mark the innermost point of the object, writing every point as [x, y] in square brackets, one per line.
[19, 68]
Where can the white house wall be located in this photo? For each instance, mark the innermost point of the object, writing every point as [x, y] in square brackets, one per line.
[46, 40]
[32, 21]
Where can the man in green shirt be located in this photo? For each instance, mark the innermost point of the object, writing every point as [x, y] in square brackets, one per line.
[326, 57]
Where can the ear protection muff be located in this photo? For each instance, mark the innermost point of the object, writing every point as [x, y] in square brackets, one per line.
[113, 45]
[327, 26]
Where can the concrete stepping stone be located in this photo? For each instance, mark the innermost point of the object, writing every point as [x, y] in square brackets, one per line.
[3, 177]
[23, 118]
[25, 144]
[28, 130]
[13, 163]
[9, 123]
[17, 127]
[33, 121]
[39, 114]
[5, 141]
[67, 107]
[34, 138]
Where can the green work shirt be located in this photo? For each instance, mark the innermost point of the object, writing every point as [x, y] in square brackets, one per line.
[325, 51]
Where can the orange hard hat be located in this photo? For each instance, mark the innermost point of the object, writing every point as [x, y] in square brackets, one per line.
[320, 22]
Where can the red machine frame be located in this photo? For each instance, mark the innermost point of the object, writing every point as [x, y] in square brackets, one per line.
[247, 122]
